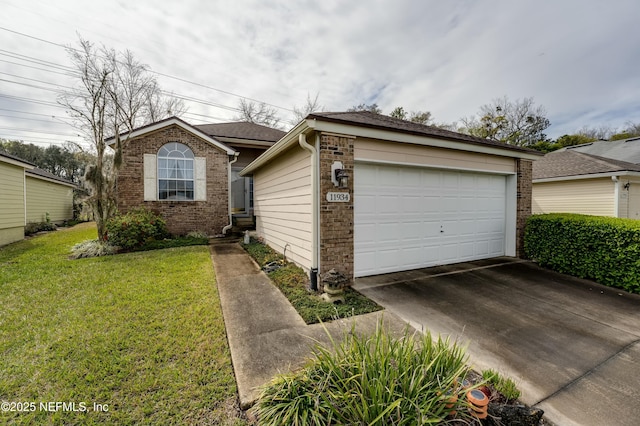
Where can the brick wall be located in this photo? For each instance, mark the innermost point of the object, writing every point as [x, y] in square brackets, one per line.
[182, 216]
[524, 168]
[336, 219]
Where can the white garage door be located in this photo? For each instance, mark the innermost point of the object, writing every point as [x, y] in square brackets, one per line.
[410, 217]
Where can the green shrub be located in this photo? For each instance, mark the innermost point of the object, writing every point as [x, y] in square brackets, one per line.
[92, 248]
[261, 253]
[370, 380]
[505, 386]
[603, 249]
[135, 229]
[34, 227]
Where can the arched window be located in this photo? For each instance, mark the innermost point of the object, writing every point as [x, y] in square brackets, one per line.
[175, 172]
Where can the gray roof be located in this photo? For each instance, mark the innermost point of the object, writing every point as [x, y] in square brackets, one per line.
[384, 122]
[574, 163]
[46, 174]
[13, 157]
[624, 150]
[242, 130]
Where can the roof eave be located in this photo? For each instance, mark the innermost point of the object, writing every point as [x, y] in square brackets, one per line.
[398, 135]
[48, 179]
[587, 176]
[287, 141]
[170, 122]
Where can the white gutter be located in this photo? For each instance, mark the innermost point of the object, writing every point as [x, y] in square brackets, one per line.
[616, 196]
[315, 213]
[230, 225]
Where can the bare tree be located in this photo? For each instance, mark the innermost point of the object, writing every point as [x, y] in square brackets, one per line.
[374, 108]
[312, 105]
[517, 123]
[258, 113]
[596, 133]
[112, 98]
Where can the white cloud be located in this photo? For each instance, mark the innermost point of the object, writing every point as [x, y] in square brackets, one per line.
[577, 58]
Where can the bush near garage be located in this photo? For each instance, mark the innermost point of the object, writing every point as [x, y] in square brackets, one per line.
[603, 249]
[135, 229]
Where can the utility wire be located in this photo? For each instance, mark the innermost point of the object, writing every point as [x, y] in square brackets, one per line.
[156, 72]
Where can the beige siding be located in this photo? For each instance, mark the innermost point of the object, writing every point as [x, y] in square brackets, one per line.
[282, 205]
[48, 197]
[11, 196]
[11, 203]
[586, 196]
[630, 200]
[401, 153]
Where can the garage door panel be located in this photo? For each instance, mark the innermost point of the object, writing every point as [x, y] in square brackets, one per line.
[407, 218]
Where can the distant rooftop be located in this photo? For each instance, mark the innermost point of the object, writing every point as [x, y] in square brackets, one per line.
[574, 163]
[624, 150]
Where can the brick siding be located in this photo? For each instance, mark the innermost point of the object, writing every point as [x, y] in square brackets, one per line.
[336, 219]
[182, 216]
[525, 174]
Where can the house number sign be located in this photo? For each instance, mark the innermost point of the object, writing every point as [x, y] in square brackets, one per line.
[338, 197]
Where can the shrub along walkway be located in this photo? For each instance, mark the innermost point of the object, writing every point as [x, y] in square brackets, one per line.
[266, 334]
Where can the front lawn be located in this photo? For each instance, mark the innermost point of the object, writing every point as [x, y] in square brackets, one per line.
[136, 338]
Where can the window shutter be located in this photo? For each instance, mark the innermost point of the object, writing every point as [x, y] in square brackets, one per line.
[150, 178]
[200, 175]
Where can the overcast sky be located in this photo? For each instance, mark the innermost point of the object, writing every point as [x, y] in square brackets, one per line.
[580, 59]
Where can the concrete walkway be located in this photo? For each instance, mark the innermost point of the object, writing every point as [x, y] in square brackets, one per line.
[266, 334]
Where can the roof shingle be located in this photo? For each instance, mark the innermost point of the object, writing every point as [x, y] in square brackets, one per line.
[574, 163]
[242, 130]
[379, 121]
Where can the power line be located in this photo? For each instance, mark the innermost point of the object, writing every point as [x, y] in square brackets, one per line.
[39, 131]
[36, 80]
[29, 119]
[157, 72]
[35, 101]
[36, 68]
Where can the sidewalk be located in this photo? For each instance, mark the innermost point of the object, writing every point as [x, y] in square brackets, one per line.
[266, 334]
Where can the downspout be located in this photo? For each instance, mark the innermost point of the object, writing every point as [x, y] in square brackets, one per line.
[302, 141]
[230, 225]
[616, 196]
[24, 194]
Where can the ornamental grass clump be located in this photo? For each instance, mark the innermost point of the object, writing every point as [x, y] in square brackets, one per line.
[92, 248]
[373, 380]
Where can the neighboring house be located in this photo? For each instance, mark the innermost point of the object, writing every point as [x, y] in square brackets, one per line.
[369, 194]
[48, 197]
[571, 181]
[27, 194]
[623, 150]
[185, 172]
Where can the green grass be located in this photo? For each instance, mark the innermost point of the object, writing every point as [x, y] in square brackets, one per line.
[504, 385]
[293, 281]
[140, 332]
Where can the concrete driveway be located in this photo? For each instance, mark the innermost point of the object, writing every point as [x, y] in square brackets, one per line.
[572, 346]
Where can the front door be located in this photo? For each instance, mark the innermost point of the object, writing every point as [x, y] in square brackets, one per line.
[240, 193]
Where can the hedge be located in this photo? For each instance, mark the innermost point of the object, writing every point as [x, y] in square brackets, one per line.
[603, 249]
